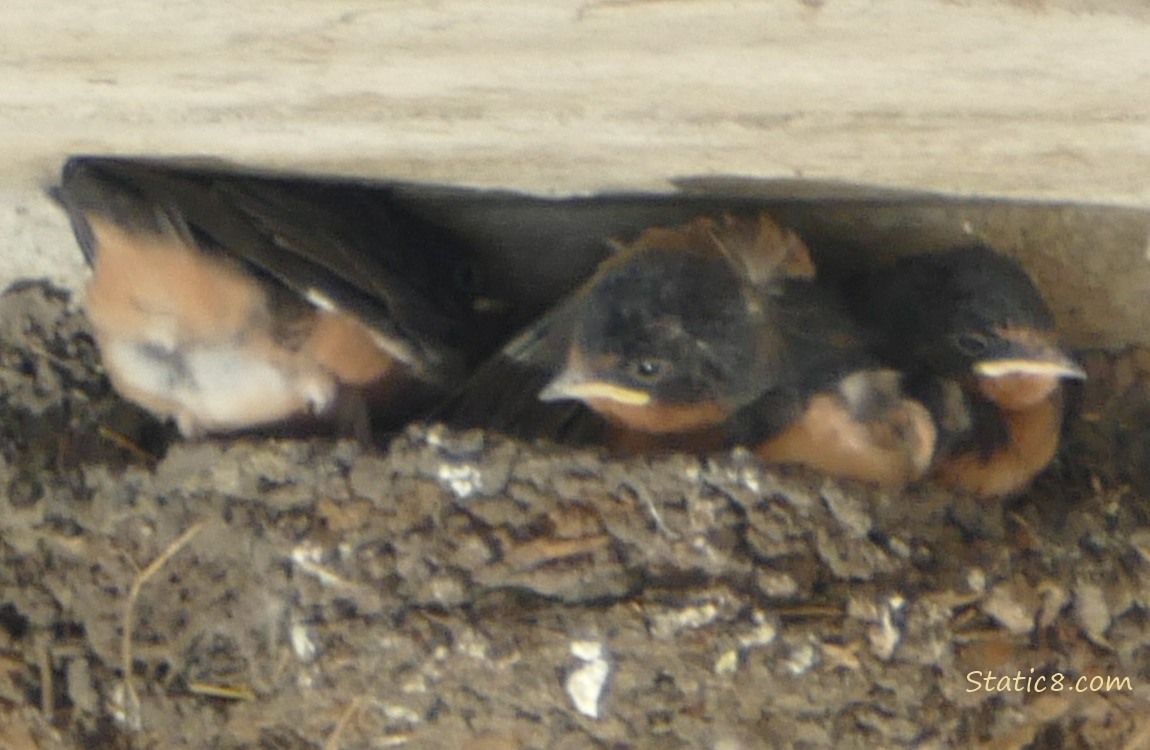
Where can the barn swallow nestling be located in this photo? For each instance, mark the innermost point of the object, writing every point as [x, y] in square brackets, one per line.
[227, 301]
[711, 334]
[850, 416]
[707, 364]
[978, 344]
[673, 334]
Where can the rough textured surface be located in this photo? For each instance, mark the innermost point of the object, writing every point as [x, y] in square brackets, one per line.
[461, 590]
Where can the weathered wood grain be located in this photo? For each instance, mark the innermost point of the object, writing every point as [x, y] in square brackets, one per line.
[1021, 99]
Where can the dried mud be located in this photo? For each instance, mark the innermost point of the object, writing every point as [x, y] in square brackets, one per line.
[459, 590]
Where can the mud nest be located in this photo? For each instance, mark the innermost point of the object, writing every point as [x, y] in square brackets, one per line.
[463, 590]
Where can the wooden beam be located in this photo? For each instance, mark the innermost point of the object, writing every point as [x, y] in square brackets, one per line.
[1023, 99]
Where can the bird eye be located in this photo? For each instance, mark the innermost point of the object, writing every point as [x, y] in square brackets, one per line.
[646, 369]
[971, 344]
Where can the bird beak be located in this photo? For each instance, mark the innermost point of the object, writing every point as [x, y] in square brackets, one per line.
[573, 384]
[1027, 353]
[997, 368]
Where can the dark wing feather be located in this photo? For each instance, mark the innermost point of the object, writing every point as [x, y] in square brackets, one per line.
[503, 394]
[337, 242]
